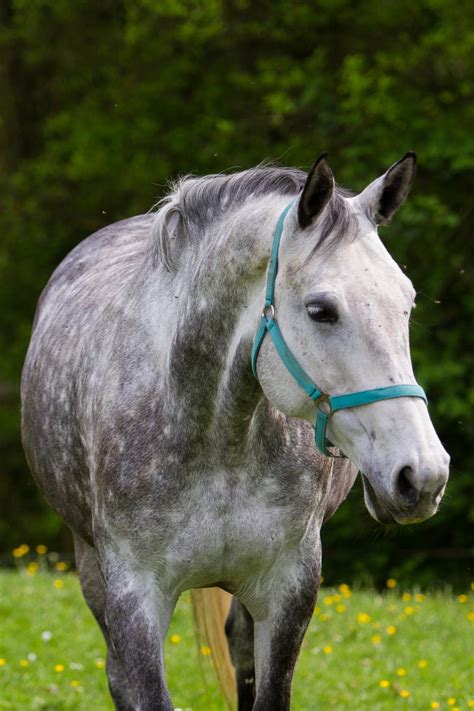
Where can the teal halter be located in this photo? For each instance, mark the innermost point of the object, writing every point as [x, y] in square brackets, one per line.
[331, 403]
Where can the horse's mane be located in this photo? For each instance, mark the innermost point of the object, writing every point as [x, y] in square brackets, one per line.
[193, 203]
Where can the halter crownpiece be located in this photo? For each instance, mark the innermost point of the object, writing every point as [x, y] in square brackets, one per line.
[326, 404]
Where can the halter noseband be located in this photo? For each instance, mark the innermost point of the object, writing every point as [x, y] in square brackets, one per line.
[325, 404]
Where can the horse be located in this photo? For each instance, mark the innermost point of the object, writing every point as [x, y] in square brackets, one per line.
[173, 465]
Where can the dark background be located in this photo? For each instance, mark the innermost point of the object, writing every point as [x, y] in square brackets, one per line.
[101, 103]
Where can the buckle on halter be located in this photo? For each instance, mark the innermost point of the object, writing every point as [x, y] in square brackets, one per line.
[270, 308]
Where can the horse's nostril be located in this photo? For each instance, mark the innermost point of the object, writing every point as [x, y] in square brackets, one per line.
[408, 493]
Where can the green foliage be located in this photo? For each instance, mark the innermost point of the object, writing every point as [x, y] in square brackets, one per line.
[103, 103]
[355, 641]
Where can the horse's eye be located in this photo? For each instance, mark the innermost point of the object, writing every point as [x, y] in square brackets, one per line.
[322, 313]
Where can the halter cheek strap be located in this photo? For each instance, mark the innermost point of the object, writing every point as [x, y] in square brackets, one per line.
[326, 404]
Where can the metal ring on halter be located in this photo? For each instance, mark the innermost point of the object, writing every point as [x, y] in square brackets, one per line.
[272, 312]
[324, 399]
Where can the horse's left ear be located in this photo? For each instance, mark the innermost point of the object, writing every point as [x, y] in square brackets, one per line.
[382, 198]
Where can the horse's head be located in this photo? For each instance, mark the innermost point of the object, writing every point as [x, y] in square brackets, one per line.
[343, 306]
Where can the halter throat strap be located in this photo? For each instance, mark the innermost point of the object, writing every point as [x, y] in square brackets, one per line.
[326, 404]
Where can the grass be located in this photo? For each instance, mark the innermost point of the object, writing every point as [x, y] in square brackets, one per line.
[420, 647]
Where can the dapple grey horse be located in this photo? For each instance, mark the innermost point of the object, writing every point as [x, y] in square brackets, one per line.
[172, 464]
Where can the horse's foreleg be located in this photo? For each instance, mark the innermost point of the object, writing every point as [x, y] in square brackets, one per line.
[239, 631]
[137, 617]
[94, 594]
[279, 634]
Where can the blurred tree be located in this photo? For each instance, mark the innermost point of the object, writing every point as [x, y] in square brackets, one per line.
[102, 103]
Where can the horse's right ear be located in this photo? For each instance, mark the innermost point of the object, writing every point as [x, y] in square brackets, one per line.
[316, 193]
[382, 198]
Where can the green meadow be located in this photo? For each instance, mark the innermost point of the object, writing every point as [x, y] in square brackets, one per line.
[364, 650]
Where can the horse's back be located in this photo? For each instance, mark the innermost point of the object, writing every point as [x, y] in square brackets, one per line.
[73, 310]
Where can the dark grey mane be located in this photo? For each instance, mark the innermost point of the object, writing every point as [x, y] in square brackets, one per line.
[196, 202]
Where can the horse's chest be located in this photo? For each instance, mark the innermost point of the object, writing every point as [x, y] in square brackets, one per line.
[226, 529]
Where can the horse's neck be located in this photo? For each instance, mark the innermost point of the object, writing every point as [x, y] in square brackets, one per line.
[210, 377]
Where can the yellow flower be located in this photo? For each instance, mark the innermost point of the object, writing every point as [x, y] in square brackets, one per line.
[404, 693]
[376, 639]
[58, 584]
[401, 671]
[391, 583]
[422, 664]
[451, 701]
[344, 589]
[391, 629]
[363, 618]
[32, 568]
[462, 598]
[435, 705]
[206, 651]
[100, 664]
[328, 600]
[384, 684]
[327, 649]
[419, 597]
[470, 703]
[2, 662]
[470, 616]
[21, 550]
[41, 550]
[24, 663]
[340, 608]
[59, 667]
[472, 585]
[409, 610]
[406, 596]
[61, 565]
[75, 683]
[175, 638]
[324, 617]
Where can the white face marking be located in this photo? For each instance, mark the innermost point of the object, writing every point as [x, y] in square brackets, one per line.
[366, 347]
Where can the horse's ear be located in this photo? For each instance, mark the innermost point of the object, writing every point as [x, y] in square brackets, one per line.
[316, 193]
[382, 198]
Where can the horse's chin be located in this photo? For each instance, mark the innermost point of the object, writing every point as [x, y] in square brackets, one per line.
[374, 505]
[389, 514]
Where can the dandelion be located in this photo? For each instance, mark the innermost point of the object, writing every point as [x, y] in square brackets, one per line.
[327, 649]
[206, 651]
[422, 664]
[175, 638]
[409, 610]
[59, 667]
[324, 617]
[472, 585]
[62, 566]
[406, 596]
[435, 705]
[376, 639]
[24, 663]
[384, 684]
[363, 618]
[462, 599]
[401, 671]
[470, 616]
[470, 703]
[41, 550]
[391, 583]
[46, 635]
[419, 597]
[344, 589]
[451, 702]
[328, 600]
[21, 550]
[75, 683]
[317, 610]
[100, 664]
[2, 662]
[391, 629]
[32, 568]
[58, 584]
[32, 657]
[340, 608]
[404, 693]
